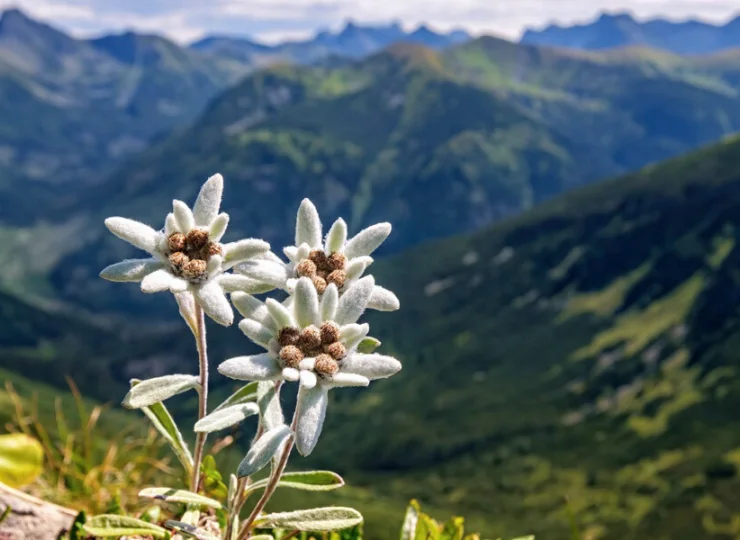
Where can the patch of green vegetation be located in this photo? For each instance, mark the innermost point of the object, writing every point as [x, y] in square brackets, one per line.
[637, 329]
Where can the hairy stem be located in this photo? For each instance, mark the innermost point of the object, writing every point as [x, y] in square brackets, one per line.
[200, 438]
[243, 483]
[277, 472]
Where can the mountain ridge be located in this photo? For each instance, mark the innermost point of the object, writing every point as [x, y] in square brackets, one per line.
[620, 29]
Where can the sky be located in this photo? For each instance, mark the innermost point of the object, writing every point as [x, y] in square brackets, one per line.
[276, 20]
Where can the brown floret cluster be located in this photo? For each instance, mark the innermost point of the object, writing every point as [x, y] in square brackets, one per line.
[320, 343]
[323, 269]
[189, 254]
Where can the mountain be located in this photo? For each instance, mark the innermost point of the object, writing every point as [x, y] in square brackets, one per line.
[436, 143]
[353, 41]
[87, 105]
[622, 30]
[587, 349]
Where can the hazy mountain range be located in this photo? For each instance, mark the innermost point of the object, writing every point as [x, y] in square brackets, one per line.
[353, 41]
[622, 30]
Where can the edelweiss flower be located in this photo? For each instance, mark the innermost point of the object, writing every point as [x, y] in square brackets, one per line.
[187, 257]
[336, 261]
[312, 341]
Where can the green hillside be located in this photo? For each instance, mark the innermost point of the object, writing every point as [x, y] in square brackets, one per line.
[588, 350]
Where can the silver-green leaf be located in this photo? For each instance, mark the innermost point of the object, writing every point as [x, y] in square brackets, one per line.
[156, 390]
[165, 425]
[178, 496]
[245, 394]
[331, 518]
[111, 525]
[268, 399]
[263, 450]
[306, 481]
[225, 417]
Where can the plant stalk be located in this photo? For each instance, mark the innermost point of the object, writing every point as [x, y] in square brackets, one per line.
[277, 472]
[200, 438]
[243, 483]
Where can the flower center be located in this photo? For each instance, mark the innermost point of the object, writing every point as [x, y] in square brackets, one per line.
[189, 254]
[320, 343]
[323, 269]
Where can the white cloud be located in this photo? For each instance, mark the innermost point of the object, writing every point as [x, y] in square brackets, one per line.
[277, 19]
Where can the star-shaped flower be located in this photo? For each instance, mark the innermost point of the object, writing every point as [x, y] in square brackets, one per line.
[312, 341]
[187, 257]
[334, 260]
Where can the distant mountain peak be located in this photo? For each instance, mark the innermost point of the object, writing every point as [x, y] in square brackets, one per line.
[621, 29]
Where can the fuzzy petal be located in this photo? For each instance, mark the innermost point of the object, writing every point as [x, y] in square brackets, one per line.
[233, 282]
[311, 413]
[329, 302]
[135, 233]
[268, 272]
[183, 215]
[306, 306]
[308, 379]
[336, 237]
[372, 366]
[257, 332]
[218, 227]
[303, 251]
[357, 266]
[252, 308]
[348, 379]
[208, 202]
[291, 374]
[352, 334]
[158, 281]
[170, 224]
[236, 252]
[259, 367]
[383, 300]
[354, 301]
[291, 252]
[367, 240]
[307, 364]
[280, 314]
[130, 270]
[308, 225]
[212, 299]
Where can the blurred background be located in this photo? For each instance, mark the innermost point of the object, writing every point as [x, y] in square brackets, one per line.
[563, 181]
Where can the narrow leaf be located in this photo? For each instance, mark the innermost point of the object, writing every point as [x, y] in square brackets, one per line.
[165, 425]
[155, 390]
[317, 519]
[226, 417]
[305, 481]
[245, 394]
[268, 399]
[263, 450]
[178, 496]
[111, 525]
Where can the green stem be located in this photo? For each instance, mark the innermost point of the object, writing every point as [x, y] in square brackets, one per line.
[200, 438]
[272, 484]
[243, 483]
